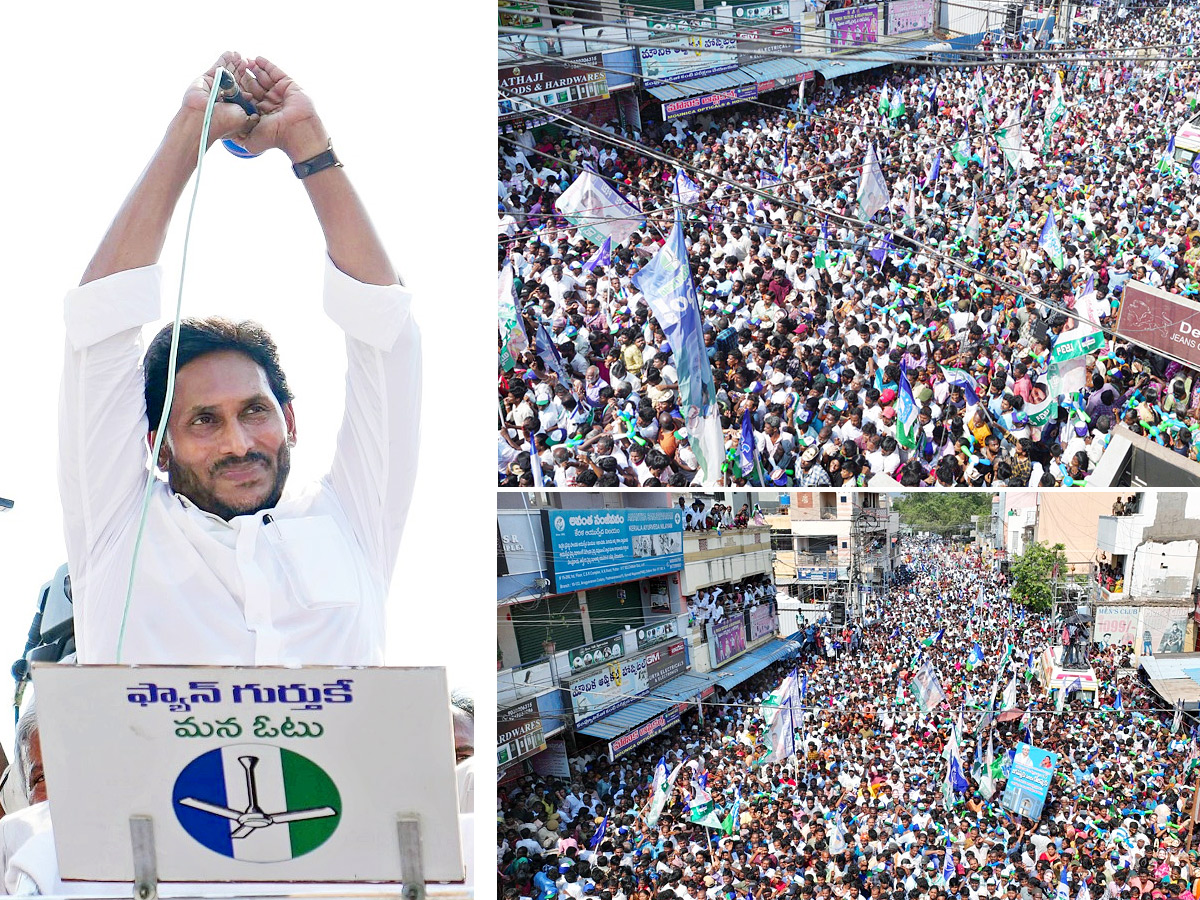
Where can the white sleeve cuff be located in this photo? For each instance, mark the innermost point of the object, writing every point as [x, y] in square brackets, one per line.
[372, 313]
[107, 306]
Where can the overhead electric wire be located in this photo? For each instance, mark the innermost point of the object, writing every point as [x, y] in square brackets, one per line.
[866, 55]
[734, 30]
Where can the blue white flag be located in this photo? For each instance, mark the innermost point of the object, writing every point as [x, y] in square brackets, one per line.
[687, 192]
[1063, 891]
[948, 869]
[599, 835]
[666, 282]
[885, 247]
[1049, 241]
[549, 354]
[934, 171]
[602, 257]
[747, 457]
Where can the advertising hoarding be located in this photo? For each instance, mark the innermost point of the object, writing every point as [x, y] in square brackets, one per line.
[665, 663]
[909, 15]
[760, 621]
[593, 547]
[852, 27]
[597, 653]
[1115, 625]
[620, 683]
[680, 57]
[726, 640]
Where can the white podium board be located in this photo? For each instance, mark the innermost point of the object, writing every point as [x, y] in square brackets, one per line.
[240, 774]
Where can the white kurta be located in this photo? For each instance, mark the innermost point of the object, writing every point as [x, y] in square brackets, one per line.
[308, 588]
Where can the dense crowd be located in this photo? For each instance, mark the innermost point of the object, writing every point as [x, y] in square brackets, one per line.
[817, 327]
[864, 808]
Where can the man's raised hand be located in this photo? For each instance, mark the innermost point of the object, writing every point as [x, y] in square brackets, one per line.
[287, 118]
[228, 119]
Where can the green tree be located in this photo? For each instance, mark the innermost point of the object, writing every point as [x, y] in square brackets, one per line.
[1032, 573]
[942, 512]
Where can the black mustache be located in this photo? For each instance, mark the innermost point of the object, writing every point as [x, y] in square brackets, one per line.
[238, 460]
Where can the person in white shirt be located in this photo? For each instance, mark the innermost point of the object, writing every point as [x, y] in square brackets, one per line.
[232, 570]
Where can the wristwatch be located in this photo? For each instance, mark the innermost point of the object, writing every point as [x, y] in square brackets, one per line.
[326, 159]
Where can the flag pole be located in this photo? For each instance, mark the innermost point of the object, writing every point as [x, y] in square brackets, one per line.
[1195, 810]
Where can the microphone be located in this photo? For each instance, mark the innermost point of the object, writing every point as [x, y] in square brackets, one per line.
[231, 93]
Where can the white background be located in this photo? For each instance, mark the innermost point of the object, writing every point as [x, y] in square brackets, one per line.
[406, 90]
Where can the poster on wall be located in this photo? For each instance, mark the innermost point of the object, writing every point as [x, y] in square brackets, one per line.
[1162, 630]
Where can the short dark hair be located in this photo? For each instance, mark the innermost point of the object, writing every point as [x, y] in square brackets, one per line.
[198, 337]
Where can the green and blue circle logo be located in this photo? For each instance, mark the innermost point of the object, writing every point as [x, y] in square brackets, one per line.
[256, 802]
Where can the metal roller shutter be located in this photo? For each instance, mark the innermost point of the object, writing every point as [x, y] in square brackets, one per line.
[608, 614]
[555, 618]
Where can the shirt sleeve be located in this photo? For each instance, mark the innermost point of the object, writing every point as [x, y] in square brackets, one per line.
[102, 410]
[374, 465]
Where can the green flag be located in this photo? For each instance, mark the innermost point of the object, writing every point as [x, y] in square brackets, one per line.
[733, 816]
[961, 149]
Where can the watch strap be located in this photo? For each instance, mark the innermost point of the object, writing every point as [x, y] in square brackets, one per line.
[326, 159]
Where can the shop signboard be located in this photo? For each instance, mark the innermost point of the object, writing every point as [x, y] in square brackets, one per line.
[765, 40]
[1155, 318]
[726, 640]
[596, 653]
[594, 547]
[676, 109]
[553, 761]
[573, 80]
[618, 684]
[638, 736]
[816, 574]
[665, 663]
[518, 733]
[852, 27]
[774, 84]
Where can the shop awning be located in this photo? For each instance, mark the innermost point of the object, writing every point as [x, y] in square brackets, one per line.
[754, 662]
[767, 70]
[710, 84]
[770, 69]
[666, 695]
[875, 58]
